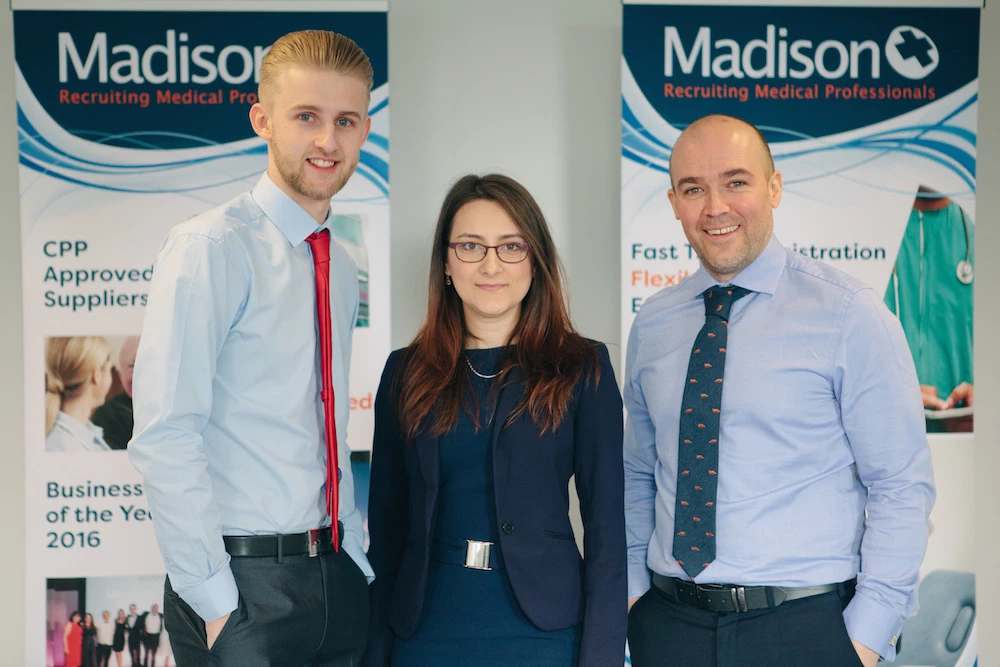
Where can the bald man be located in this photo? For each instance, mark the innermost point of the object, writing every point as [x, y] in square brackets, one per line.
[777, 474]
[115, 415]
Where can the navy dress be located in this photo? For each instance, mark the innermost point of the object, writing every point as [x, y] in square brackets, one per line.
[471, 617]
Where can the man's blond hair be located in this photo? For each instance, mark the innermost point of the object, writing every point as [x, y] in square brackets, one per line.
[314, 49]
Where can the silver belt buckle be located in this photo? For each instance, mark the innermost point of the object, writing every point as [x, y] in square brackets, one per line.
[477, 555]
[313, 543]
[739, 598]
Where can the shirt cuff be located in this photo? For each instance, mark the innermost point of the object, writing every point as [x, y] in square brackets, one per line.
[872, 625]
[214, 597]
[357, 553]
[639, 577]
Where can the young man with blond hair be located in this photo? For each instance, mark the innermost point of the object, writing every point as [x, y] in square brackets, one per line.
[241, 396]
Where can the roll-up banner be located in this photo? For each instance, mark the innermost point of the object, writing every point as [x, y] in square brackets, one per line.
[870, 113]
[130, 122]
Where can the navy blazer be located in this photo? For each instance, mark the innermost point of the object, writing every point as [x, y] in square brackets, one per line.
[554, 586]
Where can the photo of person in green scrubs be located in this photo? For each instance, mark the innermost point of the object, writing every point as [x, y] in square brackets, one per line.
[931, 290]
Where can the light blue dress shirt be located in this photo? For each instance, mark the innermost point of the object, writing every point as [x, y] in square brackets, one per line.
[69, 435]
[229, 429]
[821, 423]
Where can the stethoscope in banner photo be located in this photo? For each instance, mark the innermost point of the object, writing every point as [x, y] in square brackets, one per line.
[964, 271]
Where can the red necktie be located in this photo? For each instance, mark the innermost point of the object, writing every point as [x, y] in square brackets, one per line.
[320, 244]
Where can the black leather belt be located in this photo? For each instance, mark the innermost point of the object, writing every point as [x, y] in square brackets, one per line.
[311, 542]
[727, 597]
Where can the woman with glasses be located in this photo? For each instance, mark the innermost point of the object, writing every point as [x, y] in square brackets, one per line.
[479, 424]
[77, 380]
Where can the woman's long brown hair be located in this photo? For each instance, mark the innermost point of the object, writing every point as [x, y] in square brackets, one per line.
[552, 356]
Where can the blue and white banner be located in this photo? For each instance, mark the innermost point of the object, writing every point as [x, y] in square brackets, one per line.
[870, 113]
[130, 122]
[871, 117]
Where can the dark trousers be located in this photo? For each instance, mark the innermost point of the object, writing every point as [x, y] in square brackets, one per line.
[103, 655]
[152, 642]
[135, 646]
[808, 632]
[301, 611]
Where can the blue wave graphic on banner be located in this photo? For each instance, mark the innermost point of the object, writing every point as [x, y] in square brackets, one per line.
[639, 146]
[944, 141]
[49, 150]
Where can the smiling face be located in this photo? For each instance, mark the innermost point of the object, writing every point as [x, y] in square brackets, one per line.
[491, 291]
[315, 122]
[724, 192]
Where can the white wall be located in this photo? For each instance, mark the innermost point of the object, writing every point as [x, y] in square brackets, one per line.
[987, 457]
[525, 87]
[530, 88]
[11, 399]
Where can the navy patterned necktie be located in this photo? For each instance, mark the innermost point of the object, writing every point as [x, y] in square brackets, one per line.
[698, 450]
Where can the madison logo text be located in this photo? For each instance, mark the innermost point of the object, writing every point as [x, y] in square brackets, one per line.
[174, 61]
[782, 64]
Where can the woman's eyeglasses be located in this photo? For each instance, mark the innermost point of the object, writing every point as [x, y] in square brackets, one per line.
[509, 253]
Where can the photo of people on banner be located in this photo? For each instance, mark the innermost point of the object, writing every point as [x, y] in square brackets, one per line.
[106, 622]
[88, 393]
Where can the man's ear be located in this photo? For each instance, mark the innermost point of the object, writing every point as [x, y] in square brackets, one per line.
[673, 204]
[260, 121]
[774, 189]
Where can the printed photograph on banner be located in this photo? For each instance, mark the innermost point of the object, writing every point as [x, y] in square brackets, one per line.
[944, 629]
[88, 393]
[114, 621]
[349, 231]
[943, 632]
[930, 291]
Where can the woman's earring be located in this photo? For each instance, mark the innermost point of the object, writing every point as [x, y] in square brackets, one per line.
[447, 280]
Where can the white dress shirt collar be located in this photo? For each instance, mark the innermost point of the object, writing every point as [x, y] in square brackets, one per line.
[293, 221]
[761, 276]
